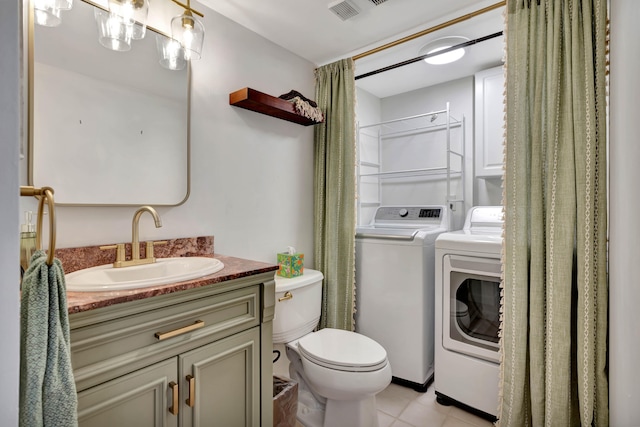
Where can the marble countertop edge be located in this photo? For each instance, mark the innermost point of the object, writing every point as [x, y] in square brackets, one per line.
[74, 259]
[234, 268]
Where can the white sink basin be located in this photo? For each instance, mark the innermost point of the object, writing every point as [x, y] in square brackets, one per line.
[163, 271]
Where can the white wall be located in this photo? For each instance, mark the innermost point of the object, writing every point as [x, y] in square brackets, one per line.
[251, 175]
[10, 116]
[624, 244]
[368, 108]
[368, 111]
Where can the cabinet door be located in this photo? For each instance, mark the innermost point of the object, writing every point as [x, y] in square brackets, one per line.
[225, 380]
[139, 399]
[489, 122]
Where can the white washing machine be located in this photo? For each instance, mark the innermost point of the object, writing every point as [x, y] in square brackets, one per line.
[395, 287]
[467, 358]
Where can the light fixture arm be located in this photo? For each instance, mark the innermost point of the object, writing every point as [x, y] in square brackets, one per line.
[188, 7]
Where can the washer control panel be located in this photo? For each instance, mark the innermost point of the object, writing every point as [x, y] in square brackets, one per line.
[415, 216]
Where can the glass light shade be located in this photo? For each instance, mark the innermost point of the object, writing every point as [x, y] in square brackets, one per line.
[442, 44]
[132, 12]
[46, 13]
[64, 4]
[170, 52]
[113, 32]
[190, 32]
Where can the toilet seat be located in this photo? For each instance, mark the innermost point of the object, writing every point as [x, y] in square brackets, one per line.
[343, 351]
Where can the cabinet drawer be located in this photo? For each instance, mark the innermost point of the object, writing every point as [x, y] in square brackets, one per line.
[106, 350]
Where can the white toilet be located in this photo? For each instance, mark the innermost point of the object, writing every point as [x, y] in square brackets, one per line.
[338, 372]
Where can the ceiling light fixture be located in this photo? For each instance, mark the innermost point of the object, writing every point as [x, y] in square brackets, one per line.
[188, 31]
[441, 44]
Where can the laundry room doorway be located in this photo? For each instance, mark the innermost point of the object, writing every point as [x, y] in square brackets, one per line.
[386, 93]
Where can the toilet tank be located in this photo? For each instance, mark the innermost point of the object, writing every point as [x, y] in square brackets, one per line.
[298, 303]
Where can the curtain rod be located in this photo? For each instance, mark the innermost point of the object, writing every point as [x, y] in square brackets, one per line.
[429, 30]
[429, 55]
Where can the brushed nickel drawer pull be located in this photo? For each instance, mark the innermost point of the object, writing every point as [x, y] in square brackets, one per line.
[287, 295]
[164, 335]
[174, 398]
[191, 399]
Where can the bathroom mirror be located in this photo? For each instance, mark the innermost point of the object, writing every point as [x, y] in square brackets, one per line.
[106, 128]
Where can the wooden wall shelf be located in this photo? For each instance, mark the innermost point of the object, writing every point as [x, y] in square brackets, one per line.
[251, 99]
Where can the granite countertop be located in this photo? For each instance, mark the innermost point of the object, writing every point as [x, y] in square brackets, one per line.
[74, 259]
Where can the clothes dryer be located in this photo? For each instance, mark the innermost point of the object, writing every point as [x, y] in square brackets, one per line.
[395, 287]
[468, 269]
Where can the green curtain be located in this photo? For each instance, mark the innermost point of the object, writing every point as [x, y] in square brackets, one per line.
[335, 189]
[554, 330]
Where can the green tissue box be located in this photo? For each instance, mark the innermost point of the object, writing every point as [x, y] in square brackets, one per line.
[291, 265]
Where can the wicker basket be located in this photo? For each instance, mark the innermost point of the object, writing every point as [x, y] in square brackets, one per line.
[285, 402]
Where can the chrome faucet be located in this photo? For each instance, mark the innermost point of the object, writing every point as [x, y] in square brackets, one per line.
[135, 240]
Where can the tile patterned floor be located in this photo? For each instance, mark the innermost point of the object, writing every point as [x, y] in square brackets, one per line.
[404, 407]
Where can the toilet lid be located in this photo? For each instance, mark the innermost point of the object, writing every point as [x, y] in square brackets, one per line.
[343, 350]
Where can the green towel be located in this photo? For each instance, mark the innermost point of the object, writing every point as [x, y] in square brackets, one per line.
[47, 388]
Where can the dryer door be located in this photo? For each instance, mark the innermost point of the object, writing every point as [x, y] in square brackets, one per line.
[471, 306]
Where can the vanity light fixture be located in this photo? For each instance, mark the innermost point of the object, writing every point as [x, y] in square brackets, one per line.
[132, 12]
[171, 53]
[47, 12]
[442, 44]
[65, 4]
[188, 31]
[113, 32]
[126, 20]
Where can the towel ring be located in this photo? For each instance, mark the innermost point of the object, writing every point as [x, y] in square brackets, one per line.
[42, 194]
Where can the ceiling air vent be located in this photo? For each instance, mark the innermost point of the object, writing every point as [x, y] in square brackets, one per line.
[377, 2]
[344, 9]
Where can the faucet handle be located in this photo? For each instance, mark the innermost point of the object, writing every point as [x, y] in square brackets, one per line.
[150, 245]
[120, 254]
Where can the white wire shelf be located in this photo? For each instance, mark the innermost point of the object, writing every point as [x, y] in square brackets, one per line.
[419, 130]
[412, 172]
[370, 164]
[445, 163]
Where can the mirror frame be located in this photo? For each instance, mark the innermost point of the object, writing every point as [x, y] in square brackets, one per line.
[31, 113]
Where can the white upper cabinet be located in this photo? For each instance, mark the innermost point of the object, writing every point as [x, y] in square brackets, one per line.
[489, 122]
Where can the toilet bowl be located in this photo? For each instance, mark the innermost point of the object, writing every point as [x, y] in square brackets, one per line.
[339, 372]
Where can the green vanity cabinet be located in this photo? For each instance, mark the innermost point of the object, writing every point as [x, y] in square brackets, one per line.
[136, 399]
[198, 357]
